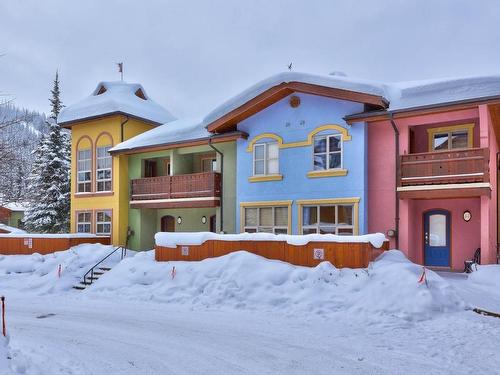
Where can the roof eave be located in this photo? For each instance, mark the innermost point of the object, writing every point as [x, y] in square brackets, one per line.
[404, 112]
[216, 138]
[70, 123]
[280, 91]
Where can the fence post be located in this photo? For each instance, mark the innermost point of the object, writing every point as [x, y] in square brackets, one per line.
[4, 331]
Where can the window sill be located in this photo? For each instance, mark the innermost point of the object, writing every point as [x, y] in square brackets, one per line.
[327, 173]
[95, 194]
[271, 177]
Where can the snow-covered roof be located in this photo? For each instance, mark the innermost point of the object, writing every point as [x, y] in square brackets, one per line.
[12, 230]
[116, 97]
[177, 131]
[14, 206]
[414, 94]
[332, 81]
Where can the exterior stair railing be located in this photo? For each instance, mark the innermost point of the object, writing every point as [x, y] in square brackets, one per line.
[91, 271]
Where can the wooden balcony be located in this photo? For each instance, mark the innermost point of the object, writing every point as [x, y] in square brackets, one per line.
[462, 169]
[181, 191]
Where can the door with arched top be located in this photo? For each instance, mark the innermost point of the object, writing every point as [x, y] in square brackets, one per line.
[168, 223]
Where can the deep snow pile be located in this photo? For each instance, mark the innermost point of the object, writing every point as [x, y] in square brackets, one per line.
[389, 287]
[488, 275]
[39, 273]
[4, 362]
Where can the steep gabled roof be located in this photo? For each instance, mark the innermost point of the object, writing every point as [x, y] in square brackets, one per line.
[276, 87]
[116, 98]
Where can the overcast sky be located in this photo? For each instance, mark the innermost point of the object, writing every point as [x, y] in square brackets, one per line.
[192, 55]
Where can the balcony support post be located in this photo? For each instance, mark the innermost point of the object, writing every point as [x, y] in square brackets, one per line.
[221, 182]
[397, 177]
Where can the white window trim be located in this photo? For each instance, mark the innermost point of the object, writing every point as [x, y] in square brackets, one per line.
[273, 227]
[104, 180]
[327, 136]
[78, 171]
[78, 222]
[104, 222]
[266, 159]
[335, 225]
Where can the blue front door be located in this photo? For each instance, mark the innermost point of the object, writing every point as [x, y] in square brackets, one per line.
[437, 238]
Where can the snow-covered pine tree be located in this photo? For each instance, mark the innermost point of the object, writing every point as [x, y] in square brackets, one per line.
[49, 181]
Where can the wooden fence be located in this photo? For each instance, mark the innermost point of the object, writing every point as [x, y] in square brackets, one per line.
[340, 254]
[24, 245]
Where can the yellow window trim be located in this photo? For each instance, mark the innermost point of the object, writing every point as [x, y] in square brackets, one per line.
[309, 141]
[312, 202]
[287, 203]
[327, 173]
[270, 177]
[446, 129]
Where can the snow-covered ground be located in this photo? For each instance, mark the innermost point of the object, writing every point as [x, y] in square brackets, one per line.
[242, 314]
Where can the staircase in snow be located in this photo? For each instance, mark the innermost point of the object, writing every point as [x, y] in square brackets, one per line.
[98, 270]
[91, 278]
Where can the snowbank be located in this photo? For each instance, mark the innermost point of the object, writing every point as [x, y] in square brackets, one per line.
[389, 288]
[39, 273]
[486, 275]
[11, 230]
[173, 239]
[4, 362]
[24, 234]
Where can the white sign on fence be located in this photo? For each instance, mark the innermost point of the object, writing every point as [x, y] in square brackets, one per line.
[319, 254]
[185, 250]
[28, 242]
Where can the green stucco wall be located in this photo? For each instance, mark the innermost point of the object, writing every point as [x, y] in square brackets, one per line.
[15, 216]
[146, 222]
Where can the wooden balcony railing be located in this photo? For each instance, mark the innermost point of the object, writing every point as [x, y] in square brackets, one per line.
[445, 167]
[195, 185]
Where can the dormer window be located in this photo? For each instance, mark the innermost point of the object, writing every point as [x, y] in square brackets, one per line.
[139, 93]
[102, 90]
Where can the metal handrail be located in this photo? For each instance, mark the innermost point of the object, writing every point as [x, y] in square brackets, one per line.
[91, 271]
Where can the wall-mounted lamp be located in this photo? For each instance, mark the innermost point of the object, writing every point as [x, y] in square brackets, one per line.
[203, 219]
[179, 220]
[467, 215]
[391, 233]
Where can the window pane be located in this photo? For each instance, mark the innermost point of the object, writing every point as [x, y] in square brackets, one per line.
[250, 230]
[259, 152]
[309, 230]
[437, 230]
[327, 215]
[326, 230]
[251, 217]
[280, 231]
[459, 139]
[273, 166]
[344, 231]
[319, 144]
[259, 167]
[281, 216]
[345, 215]
[335, 144]
[266, 230]
[319, 162]
[310, 215]
[334, 160]
[441, 142]
[265, 216]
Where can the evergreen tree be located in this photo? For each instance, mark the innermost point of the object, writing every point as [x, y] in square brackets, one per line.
[49, 181]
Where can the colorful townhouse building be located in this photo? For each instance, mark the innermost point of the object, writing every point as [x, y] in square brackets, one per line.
[298, 154]
[113, 113]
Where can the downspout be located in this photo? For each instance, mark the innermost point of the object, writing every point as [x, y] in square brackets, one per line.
[398, 171]
[221, 182]
[121, 128]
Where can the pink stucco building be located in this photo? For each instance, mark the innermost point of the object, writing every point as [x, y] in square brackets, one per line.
[432, 172]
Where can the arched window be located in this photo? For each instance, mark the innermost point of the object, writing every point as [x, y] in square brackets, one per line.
[84, 165]
[104, 163]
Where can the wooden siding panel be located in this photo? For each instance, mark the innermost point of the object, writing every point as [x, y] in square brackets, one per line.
[16, 245]
[351, 255]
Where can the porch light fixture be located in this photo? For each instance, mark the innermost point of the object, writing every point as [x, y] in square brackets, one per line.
[203, 219]
[179, 220]
[467, 215]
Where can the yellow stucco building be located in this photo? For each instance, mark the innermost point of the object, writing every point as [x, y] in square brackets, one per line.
[113, 113]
